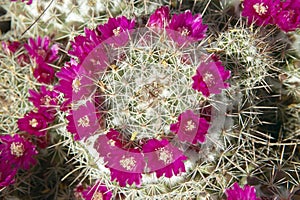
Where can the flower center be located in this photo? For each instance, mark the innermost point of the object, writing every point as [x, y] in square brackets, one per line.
[17, 149]
[117, 31]
[208, 79]
[46, 100]
[190, 125]
[42, 53]
[260, 9]
[165, 155]
[76, 84]
[33, 123]
[128, 163]
[184, 31]
[84, 121]
[97, 196]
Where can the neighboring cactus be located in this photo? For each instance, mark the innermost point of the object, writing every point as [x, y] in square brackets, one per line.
[15, 81]
[67, 18]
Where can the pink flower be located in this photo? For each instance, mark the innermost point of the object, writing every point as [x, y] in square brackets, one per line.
[210, 77]
[160, 18]
[40, 50]
[45, 100]
[163, 158]
[17, 151]
[44, 73]
[288, 18]
[187, 27]
[74, 82]
[84, 121]
[33, 123]
[98, 191]
[126, 165]
[260, 11]
[190, 127]
[115, 30]
[11, 47]
[28, 1]
[7, 174]
[83, 45]
[237, 193]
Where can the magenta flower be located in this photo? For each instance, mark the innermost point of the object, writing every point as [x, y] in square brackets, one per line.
[190, 127]
[11, 47]
[238, 193]
[187, 27]
[98, 191]
[74, 82]
[83, 45]
[23, 59]
[28, 1]
[210, 77]
[160, 18]
[260, 11]
[126, 165]
[17, 151]
[33, 123]
[7, 174]
[44, 73]
[45, 100]
[115, 30]
[40, 50]
[288, 18]
[163, 158]
[84, 121]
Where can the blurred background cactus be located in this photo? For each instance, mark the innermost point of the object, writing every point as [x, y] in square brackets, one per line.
[259, 146]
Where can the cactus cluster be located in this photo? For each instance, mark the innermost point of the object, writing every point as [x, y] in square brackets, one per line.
[254, 131]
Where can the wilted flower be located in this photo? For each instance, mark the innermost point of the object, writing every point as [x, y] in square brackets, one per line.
[163, 158]
[33, 123]
[16, 151]
[210, 77]
[187, 27]
[190, 127]
[260, 11]
[98, 191]
[238, 193]
[160, 18]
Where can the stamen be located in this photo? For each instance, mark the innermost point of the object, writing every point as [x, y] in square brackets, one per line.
[165, 155]
[260, 9]
[84, 121]
[33, 123]
[17, 149]
[128, 163]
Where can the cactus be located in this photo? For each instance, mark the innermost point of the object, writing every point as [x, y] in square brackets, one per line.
[257, 144]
